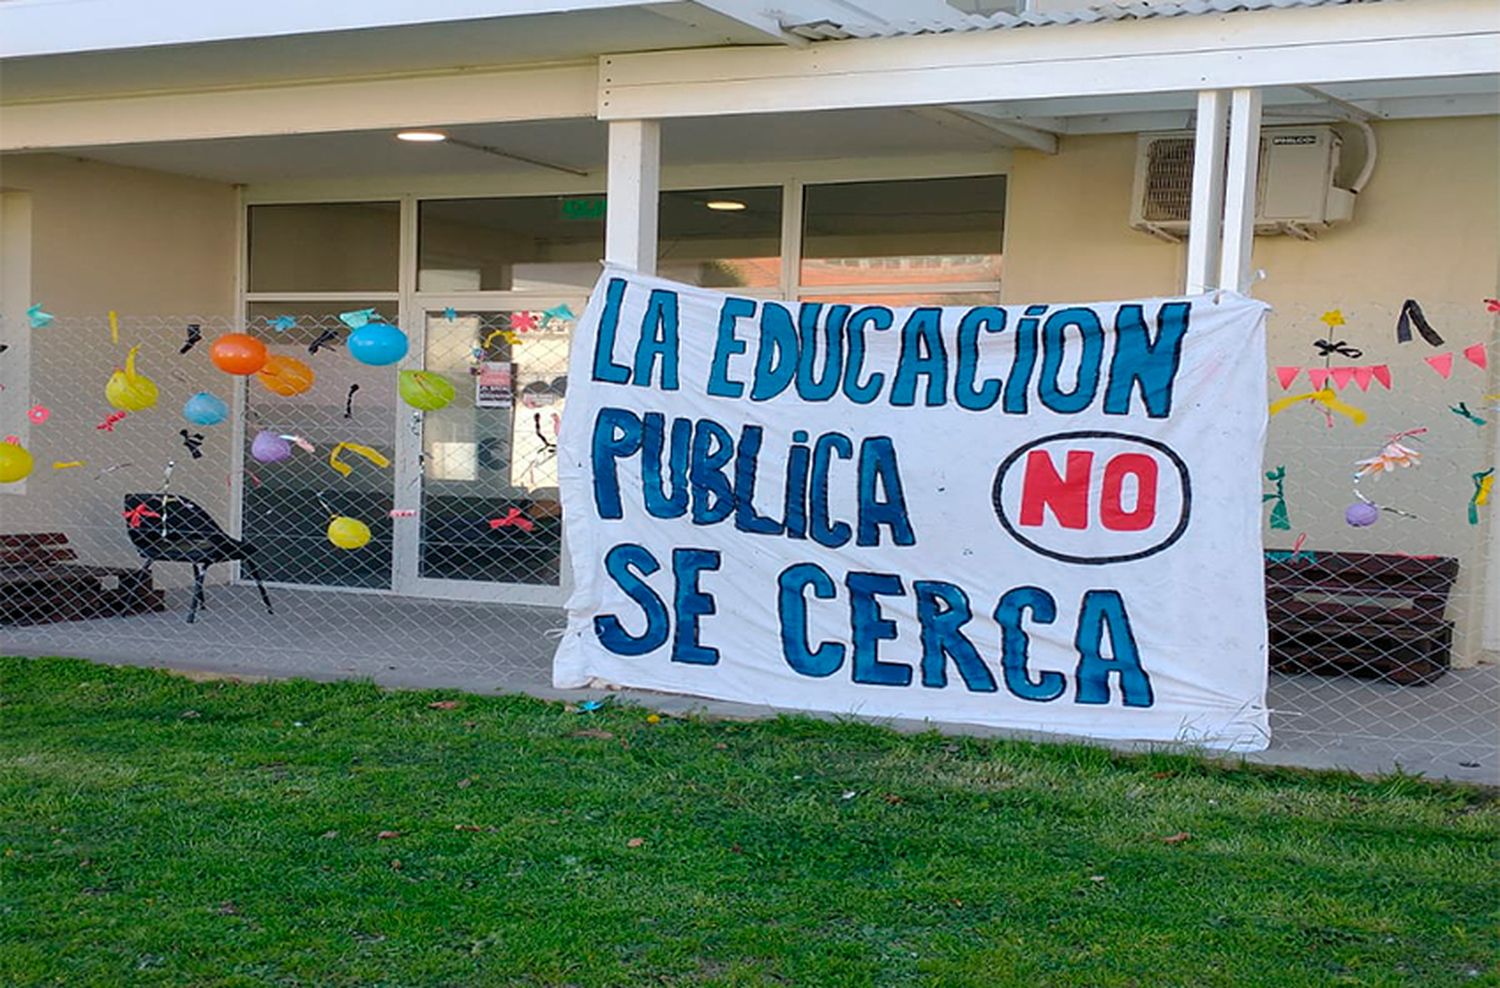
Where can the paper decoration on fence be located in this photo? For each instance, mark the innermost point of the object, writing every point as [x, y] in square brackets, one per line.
[66, 464]
[238, 353]
[1484, 483]
[356, 318]
[1443, 364]
[114, 327]
[129, 390]
[326, 338]
[194, 337]
[425, 390]
[1293, 555]
[1333, 318]
[348, 533]
[268, 447]
[1412, 315]
[1492, 305]
[301, 443]
[108, 425]
[1279, 519]
[193, 443]
[523, 322]
[38, 318]
[282, 323]
[559, 313]
[1393, 454]
[1324, 397]
[373, 456]
[1462, 411]
[38, 414]
[15, 462]
[507, 335]
[138, 514]
[512, 519]
[204, 409]
[450, 314]
[285, 376]
[403, 512]
[1329, 347]
[1476, 355]
[377, 344]
[349, 401]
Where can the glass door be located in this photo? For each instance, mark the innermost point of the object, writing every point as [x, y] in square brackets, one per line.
[480, 512]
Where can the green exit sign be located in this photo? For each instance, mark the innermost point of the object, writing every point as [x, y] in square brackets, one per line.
[583, 208]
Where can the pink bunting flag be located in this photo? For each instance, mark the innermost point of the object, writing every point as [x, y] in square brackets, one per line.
[1476, 356]
[1442, 363]
[1342, 376]
[1382, 374]
[1318, 376]
[1363, 376]
[1286, 375]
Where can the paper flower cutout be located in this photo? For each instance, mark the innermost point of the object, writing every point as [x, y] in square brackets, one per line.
[38, 414]
[523, 322]
[1392, 455]
[1333, 318]
[282, 323]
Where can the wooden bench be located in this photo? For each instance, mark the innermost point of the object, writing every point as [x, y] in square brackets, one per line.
[1366, 614]
[40, 583]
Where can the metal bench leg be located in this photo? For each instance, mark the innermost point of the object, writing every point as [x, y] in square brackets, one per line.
[199, 570]
[255, 575]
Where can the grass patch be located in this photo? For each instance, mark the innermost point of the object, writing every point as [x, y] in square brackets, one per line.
[159, 831]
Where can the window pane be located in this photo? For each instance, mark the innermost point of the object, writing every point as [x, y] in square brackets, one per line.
[531, 244]
[897, 300]
[918, 231]
[325, 247]
[288, 499]
[721, 238]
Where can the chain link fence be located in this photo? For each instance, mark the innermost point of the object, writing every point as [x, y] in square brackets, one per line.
[444, 563]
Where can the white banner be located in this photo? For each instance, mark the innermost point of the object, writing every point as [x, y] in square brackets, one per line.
[1041, 517]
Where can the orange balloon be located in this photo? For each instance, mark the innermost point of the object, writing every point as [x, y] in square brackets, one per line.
[285, 375]
[238, 353]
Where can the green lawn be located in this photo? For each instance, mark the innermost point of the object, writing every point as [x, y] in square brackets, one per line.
[159, 831]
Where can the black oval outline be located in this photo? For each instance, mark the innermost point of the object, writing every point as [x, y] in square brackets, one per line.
[1177, 533]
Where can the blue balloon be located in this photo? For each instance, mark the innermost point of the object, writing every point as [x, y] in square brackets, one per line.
[204, 409]
[377, 343]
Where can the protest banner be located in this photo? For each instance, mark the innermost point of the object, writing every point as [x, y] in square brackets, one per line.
[1040, 517]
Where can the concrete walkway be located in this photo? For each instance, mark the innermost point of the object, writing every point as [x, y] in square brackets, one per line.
[1448, 730]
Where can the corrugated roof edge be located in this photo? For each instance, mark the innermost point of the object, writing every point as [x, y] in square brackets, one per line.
[825, 30]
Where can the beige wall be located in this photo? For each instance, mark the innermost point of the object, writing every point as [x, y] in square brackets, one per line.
[1426, 227]
[159, 250]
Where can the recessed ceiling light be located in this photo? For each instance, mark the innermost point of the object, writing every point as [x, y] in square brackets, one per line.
[725, 205]
[421, 136]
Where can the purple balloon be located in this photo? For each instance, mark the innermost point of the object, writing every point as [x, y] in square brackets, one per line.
[1361, 515]
[268, 447]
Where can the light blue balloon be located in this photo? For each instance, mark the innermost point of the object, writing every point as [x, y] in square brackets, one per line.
[204, 409]
[377, 343]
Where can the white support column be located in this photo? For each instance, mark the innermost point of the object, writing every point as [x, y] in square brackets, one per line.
[1206, 221]
[634, 182]
[1240, 187]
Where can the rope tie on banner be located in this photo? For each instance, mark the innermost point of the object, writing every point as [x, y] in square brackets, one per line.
[345, 469]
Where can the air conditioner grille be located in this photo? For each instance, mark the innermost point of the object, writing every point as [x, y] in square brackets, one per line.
[1169, 180]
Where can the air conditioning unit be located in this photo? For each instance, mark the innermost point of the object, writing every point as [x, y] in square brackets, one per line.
[1295, 192]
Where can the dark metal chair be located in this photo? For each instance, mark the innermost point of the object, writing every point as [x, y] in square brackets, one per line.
[173, 529]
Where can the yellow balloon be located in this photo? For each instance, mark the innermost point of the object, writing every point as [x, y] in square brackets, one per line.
[348, 533]
[15, 463]
[128, 390]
